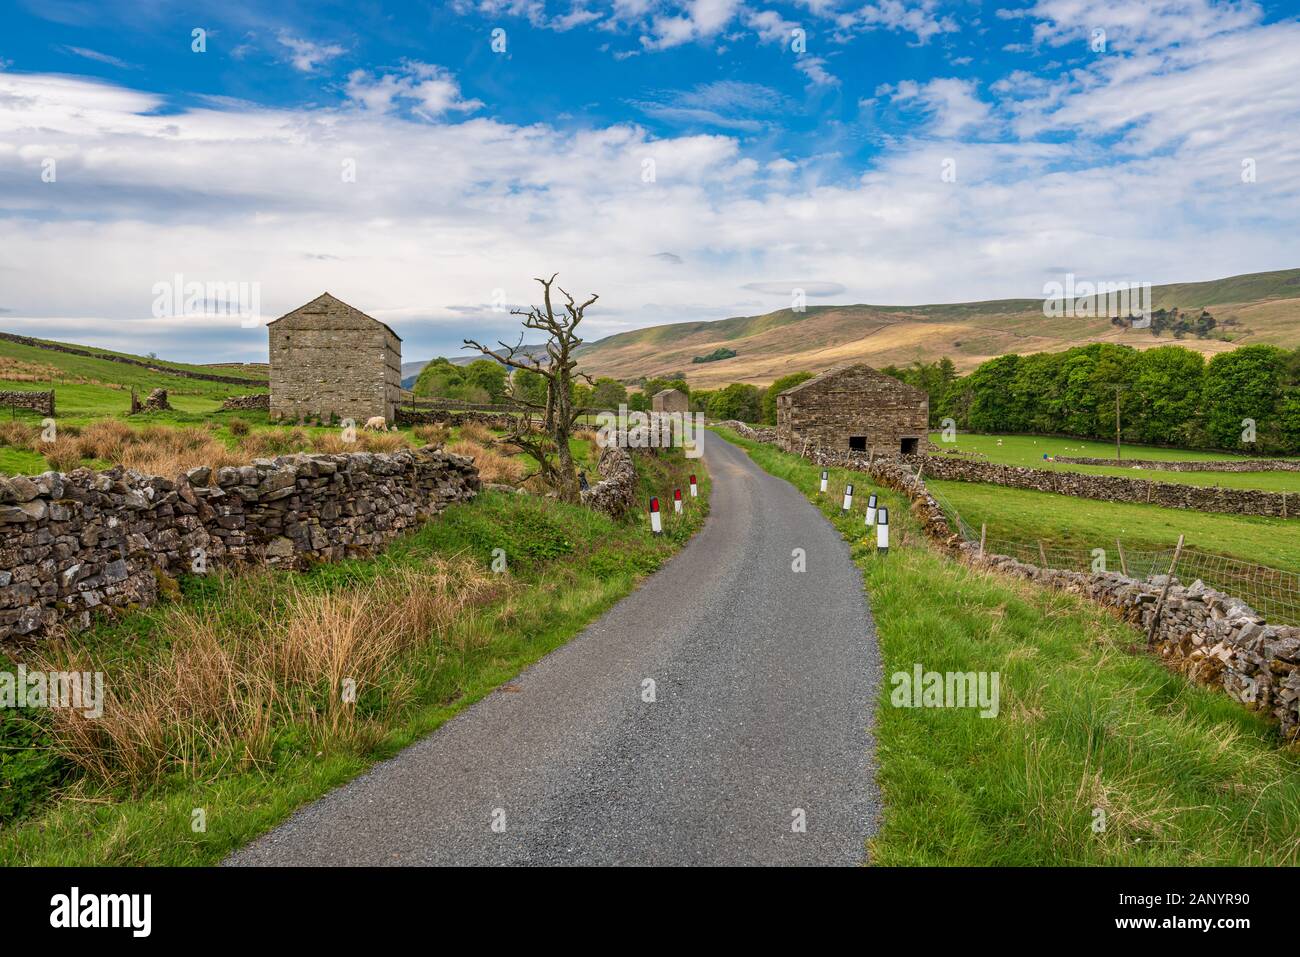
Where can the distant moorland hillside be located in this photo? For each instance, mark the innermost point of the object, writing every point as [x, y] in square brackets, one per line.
[1248, 309]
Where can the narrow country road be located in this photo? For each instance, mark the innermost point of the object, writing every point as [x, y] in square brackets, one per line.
[765, 681]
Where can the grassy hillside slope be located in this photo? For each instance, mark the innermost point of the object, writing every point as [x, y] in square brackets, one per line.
[1265, 307]
[96, 385]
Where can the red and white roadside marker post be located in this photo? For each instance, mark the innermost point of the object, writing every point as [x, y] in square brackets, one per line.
[882, 531]
[848, 500]
[871, 510]
[656, 523]
[695, 489]
[825, 476]
[677, 501]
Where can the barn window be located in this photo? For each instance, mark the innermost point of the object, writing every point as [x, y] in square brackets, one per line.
[910, 446]
[857, 443]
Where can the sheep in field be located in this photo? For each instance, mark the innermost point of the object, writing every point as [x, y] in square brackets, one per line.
[376, 423]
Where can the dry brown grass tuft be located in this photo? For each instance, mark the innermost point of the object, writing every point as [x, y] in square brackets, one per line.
[383, 441]
[63, 454]
[20, 435]
[268, 443]
[18, 370]
[333, 443]
[273, 655]
[105, 439]
[476, 432]
[238, 427]
[492, 465]
[432, 434]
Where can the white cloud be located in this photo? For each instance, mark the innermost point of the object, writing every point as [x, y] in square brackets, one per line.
[951, 103]
[695, 20]
[814, 67]
[95, 55]
[306, 55]
[770, 26]
[430, 89]
[921, 18]
[1126, 168]
[727, 104]
[1148, 23]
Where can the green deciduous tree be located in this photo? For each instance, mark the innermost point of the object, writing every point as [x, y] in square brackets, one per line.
[775, 389]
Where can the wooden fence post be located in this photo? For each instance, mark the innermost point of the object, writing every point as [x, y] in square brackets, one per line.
[1042, 554]
[984, 528]
[1123, 563]
[1160, 605]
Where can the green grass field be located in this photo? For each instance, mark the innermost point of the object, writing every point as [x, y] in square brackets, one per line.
[1089, 725]
[567, 565]
[87, 387]
[1028, 450]
[1024, 516]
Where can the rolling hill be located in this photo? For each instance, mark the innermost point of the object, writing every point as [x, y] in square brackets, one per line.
[1252, 308]
[91, 381]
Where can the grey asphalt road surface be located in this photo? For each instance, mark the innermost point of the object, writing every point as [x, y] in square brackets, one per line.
[764, 688]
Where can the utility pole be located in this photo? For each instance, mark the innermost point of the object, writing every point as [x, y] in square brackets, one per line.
[1118, 387]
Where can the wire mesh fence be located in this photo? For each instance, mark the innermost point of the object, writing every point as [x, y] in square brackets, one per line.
[1272, 592]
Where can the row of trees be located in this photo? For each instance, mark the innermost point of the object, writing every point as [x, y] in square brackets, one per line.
[1167, 396]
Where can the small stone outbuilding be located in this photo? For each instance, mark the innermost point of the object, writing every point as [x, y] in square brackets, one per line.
[332, 361]
[853, 408]
[670, 400]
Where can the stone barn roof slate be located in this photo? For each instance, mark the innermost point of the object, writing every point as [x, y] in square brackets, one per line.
[830, 375]
[325, 297]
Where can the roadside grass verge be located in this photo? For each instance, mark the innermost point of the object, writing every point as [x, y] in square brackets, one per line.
[229, 700]
[1088, 724]
[1022, 515]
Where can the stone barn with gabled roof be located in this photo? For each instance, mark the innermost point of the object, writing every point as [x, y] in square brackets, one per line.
[330, 360]
[853, 409]
[670, 400]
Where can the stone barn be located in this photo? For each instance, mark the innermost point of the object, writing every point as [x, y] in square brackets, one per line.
[670, 400]
[330, 360]
[853, 408]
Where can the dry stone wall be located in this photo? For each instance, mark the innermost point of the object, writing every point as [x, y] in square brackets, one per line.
[84, 541]
[1224, 465]
[615, 493]
[1111, 488]
[155, 402]
[41, 402]
[493, 420]
[258, 402]
[1212, 637]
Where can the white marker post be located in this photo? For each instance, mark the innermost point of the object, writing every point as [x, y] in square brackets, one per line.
[695, 489]
[882, 531]
[848, 499]
[677, 501]
[825, 476]
[871, 510]
[656, 524]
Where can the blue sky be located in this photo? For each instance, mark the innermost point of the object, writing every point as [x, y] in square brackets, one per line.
[888, 152]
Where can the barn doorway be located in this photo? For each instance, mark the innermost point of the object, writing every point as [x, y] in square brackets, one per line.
[857, 443]
[909, 446]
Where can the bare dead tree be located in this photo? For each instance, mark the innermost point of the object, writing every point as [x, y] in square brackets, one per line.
[550, 445]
